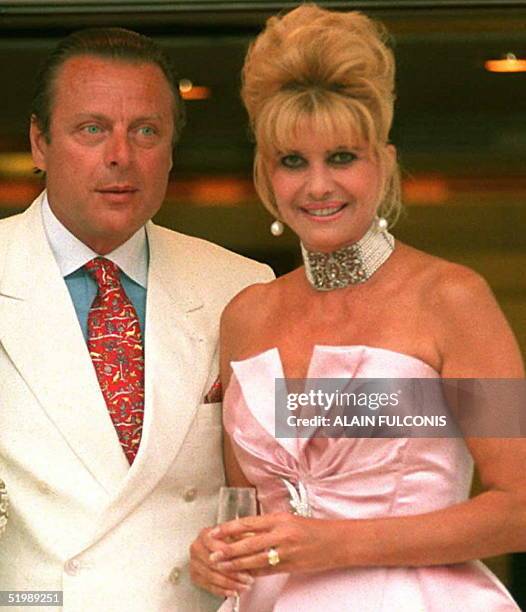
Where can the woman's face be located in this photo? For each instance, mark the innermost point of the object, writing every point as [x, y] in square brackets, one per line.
[326, 191]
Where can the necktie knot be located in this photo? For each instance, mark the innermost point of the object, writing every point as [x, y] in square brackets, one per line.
[104, 272]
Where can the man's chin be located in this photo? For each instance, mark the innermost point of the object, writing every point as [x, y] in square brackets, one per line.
[110, 238]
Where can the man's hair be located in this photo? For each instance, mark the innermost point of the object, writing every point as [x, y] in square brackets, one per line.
[109, 43]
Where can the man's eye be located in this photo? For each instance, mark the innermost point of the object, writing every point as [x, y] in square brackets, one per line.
[292, 161]
[92, 129]
[147, 130]
[341, 158]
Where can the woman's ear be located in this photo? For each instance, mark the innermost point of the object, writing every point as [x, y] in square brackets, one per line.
[392, 154]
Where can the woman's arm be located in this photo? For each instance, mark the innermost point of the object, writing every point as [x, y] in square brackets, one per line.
[474, 341]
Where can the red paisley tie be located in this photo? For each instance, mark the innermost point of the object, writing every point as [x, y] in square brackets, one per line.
[115, 346]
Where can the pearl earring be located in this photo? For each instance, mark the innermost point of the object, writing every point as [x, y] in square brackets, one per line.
[276, 228]
[381, 224]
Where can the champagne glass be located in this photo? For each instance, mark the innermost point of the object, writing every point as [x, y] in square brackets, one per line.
[234, 503]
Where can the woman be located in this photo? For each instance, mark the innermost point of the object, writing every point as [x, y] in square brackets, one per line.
[381, 524]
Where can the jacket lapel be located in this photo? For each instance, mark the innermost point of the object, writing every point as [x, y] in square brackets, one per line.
[40, 332]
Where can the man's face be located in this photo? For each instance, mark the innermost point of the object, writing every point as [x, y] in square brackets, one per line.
[110, 148]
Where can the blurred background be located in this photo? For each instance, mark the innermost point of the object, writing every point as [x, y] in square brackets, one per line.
[460, 129]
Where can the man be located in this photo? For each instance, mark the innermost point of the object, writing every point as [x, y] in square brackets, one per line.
[110, 436]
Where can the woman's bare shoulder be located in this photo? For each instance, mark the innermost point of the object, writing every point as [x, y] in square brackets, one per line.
[473, 336]
[444, 281]
[457, 286]
[253, 302]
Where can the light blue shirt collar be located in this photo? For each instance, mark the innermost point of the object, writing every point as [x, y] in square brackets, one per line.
[71, 254]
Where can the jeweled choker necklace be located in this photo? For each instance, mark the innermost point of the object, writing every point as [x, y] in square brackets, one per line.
[351, 264]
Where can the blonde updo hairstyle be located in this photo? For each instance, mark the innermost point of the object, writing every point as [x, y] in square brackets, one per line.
[333, 69]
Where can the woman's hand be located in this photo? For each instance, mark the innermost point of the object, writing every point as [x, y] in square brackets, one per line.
[207, 576]
[303, 544]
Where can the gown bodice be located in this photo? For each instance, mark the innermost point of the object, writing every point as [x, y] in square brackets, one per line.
[356, 478]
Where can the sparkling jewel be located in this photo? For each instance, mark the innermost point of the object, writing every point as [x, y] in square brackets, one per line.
[349, 265]
[299, 499]
[273, 557]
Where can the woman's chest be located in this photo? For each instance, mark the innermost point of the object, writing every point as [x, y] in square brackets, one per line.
[295, 332]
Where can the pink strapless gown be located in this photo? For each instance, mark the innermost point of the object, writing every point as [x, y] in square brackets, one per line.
[354, 478]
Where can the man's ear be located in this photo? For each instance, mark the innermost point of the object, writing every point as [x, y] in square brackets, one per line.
[39, 144]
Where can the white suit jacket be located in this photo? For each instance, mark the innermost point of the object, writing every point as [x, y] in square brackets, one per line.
[111, 537]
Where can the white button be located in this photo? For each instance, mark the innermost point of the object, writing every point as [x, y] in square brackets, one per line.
[175, 575]
[190, 494]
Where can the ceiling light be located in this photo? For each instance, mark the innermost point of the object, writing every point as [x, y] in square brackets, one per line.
[185, 85]
[189, 91]
[508, 63]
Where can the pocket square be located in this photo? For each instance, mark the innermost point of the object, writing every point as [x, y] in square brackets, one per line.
[215, 394]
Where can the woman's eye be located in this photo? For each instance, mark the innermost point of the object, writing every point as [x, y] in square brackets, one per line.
[342, 158]
[292, 161]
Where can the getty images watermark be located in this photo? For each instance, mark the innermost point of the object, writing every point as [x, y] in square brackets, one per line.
[401, 407]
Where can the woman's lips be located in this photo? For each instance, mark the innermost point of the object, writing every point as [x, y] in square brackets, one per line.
[324, 213]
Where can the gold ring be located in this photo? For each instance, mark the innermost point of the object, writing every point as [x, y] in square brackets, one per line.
[273, 557]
